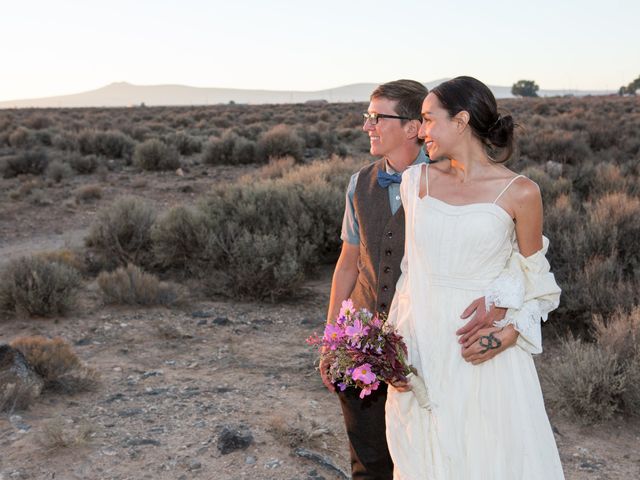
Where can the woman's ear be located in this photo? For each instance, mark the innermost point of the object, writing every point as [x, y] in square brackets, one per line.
[462, 120]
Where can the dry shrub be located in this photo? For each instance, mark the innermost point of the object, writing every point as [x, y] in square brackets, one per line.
[64, 256]
[620, 333]
[257, 230]
[184, 143]
[88, 193]
[181, 240]
[280, 141]
[83, 164]
[56, 434]
[230, 149]
[276, 168]
[618, 216]
[121, 233]
[57, 364]
[586, 382]
[58, 170]
[132, 286]
[36, 286]
[631, 395]
[244, 151]
[33, 162]
[111, 143]
[21, 138]
[559, 146]
[292, 222]
[154, 154]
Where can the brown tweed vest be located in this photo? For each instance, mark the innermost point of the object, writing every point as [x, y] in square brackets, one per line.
[381, 242]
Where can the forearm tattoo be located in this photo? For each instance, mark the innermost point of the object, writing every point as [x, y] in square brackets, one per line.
[489, 342]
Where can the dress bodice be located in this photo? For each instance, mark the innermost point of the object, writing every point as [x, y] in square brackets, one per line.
[457, 245]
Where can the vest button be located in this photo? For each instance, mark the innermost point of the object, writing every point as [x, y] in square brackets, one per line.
[383, 306]
[389, 234]
[387, 269]
[385, 288]
[388, 252]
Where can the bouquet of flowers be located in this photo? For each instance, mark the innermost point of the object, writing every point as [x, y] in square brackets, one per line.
[362, 350]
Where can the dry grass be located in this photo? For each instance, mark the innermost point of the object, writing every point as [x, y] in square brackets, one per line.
[131, 286]
[70, 258]
[296, 432]
[88, 193]
[586, 383]
[57, 364]
[56, 435]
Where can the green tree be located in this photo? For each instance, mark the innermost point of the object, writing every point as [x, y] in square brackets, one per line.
[632, 87]
[525, 88]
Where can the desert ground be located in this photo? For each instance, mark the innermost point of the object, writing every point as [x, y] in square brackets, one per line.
[211, 388]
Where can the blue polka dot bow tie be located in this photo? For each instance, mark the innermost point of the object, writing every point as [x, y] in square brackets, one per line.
[385, 179]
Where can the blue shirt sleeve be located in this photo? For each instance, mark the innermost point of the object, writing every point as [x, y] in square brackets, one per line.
[350, 228]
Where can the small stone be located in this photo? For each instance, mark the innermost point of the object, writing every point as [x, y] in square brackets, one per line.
[130, 412]
[221, 321]
[250, 460]
[82, 342]
[194, 465]
[155, 391]
[136, 442]
[201, 314]
[202, 322]
[233, 438]
[151, 373]
[274, 463]
[114, 397]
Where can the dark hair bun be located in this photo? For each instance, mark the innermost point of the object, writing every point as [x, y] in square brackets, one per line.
[500, 134]
[474, 97]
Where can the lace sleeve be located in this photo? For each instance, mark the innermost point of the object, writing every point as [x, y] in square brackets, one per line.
[541, 295]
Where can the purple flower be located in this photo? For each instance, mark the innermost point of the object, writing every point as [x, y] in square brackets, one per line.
[364, 374]
[356, 331]
[332, 335]
[342, 386]
[369, 388]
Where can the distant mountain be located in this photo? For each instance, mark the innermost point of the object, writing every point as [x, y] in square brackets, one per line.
[124, 94]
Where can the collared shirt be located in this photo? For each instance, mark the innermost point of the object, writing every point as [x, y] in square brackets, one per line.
[350, 227]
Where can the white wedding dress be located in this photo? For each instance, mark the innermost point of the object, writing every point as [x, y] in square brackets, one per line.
[488, 421]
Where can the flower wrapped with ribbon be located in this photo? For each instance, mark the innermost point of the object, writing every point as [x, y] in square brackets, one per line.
[363, 350]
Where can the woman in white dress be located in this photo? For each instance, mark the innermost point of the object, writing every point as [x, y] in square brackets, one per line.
[469, 218]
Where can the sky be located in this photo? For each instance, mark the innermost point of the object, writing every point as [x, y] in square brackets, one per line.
[50, 48]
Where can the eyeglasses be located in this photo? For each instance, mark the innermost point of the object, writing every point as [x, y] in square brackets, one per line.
[373, 117]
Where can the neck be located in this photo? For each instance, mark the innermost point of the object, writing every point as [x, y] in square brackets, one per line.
[402, 159]
[470, 160]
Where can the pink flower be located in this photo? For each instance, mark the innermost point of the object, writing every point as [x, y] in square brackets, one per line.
[332, 335]
[356, 331]
[368, 389]
[364, 374]
[347, 308]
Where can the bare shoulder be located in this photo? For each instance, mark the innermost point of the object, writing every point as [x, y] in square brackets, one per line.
[525, 191]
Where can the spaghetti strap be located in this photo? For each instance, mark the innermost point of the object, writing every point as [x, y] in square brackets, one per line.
[508, 185]
[427, 178]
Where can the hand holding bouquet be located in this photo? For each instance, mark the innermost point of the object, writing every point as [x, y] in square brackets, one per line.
[362, 350]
